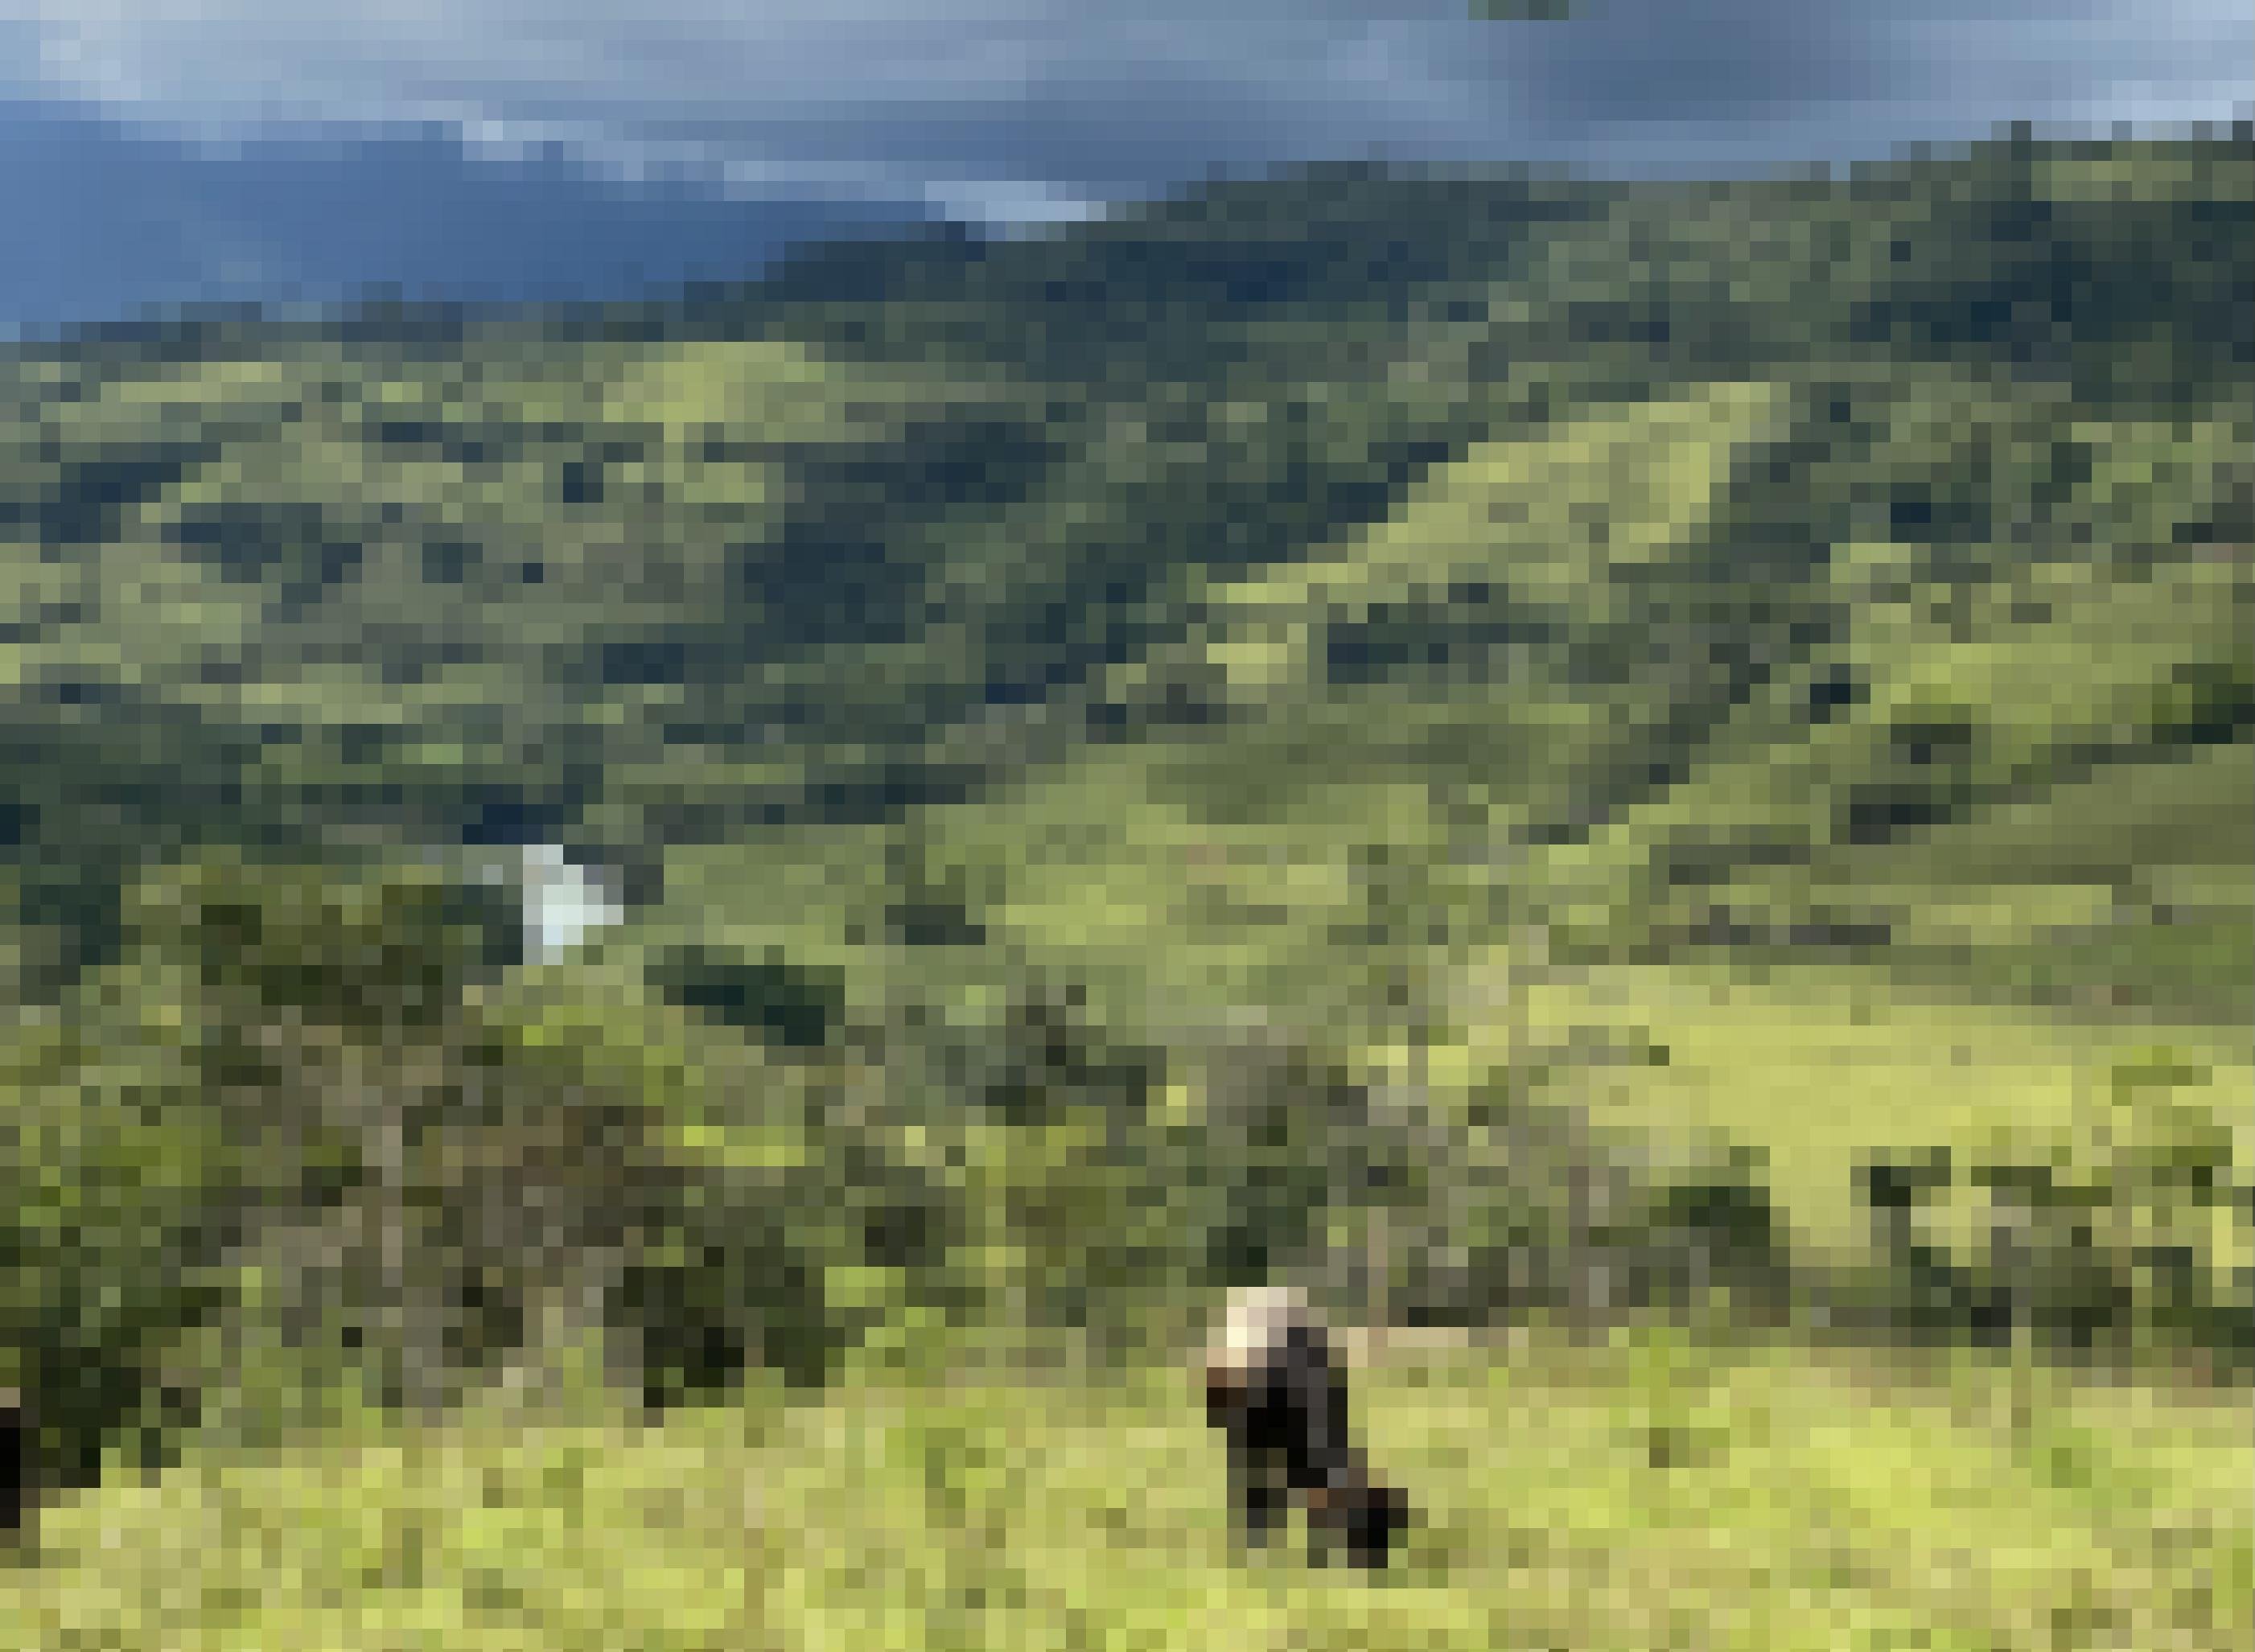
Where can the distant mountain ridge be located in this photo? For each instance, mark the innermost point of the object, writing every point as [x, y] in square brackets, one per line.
[113, 219]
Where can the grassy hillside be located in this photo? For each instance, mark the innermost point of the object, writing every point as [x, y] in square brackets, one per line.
[1655, 1493]
[1568, 759]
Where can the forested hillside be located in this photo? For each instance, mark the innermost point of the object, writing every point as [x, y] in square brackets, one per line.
[1536, 752]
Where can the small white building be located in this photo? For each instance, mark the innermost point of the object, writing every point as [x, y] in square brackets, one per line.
[563, 902]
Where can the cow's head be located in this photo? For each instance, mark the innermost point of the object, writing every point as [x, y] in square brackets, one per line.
[1257, 1322]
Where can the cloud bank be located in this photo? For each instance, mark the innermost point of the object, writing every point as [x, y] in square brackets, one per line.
[153, 151]
[1025, 106]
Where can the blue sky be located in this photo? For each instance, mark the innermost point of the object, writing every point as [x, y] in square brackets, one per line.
[237, 147]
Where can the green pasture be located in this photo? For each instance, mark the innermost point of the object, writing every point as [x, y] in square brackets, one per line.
[1645, 1492]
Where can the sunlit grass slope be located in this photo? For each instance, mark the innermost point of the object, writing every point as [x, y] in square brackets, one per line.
[1652, 1492]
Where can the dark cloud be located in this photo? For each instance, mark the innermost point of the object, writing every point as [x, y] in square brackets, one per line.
[867, 95]
[993, 109]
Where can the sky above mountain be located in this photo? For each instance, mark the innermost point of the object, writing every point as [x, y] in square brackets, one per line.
[543, 148]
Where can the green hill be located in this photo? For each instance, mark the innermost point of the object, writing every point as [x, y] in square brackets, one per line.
[1554, 755]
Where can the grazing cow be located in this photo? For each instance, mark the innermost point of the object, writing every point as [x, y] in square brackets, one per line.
[1277, 1391]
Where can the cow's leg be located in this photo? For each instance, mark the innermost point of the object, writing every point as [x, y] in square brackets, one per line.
[1380, 1514]
[1325, 1516]
[1376, 1519]
[1263, 1495]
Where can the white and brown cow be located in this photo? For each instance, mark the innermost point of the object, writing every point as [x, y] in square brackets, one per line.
[1277, 1389]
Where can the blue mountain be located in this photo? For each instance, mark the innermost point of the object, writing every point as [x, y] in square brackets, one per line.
[100, 221]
